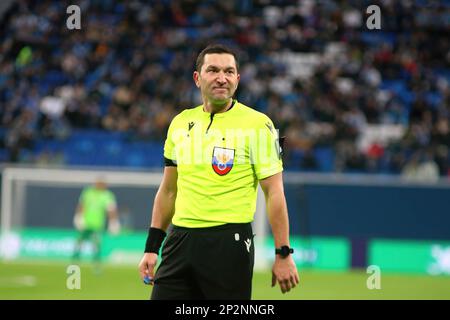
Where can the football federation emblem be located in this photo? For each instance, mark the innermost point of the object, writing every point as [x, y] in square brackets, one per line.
[222, 160]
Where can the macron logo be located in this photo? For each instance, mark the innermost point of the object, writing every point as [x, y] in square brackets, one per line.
[248, 243]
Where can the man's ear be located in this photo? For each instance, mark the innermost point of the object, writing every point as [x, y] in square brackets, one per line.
[196, 77]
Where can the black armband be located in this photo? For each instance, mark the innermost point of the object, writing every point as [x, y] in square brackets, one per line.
[154, 240]
[169, 162]
[281, 142]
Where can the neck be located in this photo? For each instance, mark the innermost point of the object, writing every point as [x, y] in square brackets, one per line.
[210, 107]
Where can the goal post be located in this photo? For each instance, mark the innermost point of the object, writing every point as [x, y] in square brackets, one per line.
[15, 181]
[23, 186]
[77, 177]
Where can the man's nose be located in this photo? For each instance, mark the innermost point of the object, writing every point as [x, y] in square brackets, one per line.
[221, 77]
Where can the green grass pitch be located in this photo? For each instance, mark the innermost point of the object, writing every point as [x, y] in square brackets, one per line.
[41, 280]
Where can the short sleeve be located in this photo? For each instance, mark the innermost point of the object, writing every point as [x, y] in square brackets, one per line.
[111, 203]
[82, 196]
[169, 145]
[266, 152]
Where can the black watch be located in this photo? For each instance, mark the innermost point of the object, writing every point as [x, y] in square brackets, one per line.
[284, 251]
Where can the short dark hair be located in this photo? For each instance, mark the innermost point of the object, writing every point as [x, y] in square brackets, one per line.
[214, 48]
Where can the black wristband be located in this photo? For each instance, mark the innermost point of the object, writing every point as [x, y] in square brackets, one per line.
[154, 240]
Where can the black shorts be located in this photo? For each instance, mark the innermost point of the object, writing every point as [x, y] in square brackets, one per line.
[206, 263]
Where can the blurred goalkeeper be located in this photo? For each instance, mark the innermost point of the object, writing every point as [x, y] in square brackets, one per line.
[95, 204]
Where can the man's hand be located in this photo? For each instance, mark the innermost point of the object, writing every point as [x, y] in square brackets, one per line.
[284, 271]
[114, 226]
[147, 265]
[78, 221]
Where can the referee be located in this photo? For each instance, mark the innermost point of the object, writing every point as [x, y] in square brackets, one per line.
[215, 155]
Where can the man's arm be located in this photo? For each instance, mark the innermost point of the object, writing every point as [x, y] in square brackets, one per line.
[112, 212]
[164, 204]
[163, 210]
[284, 270]
[78, 217]
[113, 218]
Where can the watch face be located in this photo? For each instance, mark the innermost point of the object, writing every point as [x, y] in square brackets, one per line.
[284, 251]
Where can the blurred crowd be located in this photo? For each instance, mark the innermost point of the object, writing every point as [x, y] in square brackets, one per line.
[129, 69]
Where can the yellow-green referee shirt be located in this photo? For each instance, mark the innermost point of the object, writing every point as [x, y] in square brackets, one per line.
[219, 160]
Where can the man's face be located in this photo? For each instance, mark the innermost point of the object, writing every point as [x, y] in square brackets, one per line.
[218, 79]
[100, 184]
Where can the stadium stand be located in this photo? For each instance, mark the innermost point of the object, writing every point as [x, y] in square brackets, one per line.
[348, 99]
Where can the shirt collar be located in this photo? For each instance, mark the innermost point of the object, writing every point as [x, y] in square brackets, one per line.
[223, 114]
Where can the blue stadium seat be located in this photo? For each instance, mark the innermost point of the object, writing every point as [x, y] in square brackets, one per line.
[49, 145]
[377, 38]
[325, 158]
[135, 159]
[399, 88]
[54, 78]
[295, 159]
[4, 155]
[84, 146]
[112, 148]
[433, 98]
[394, 85]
